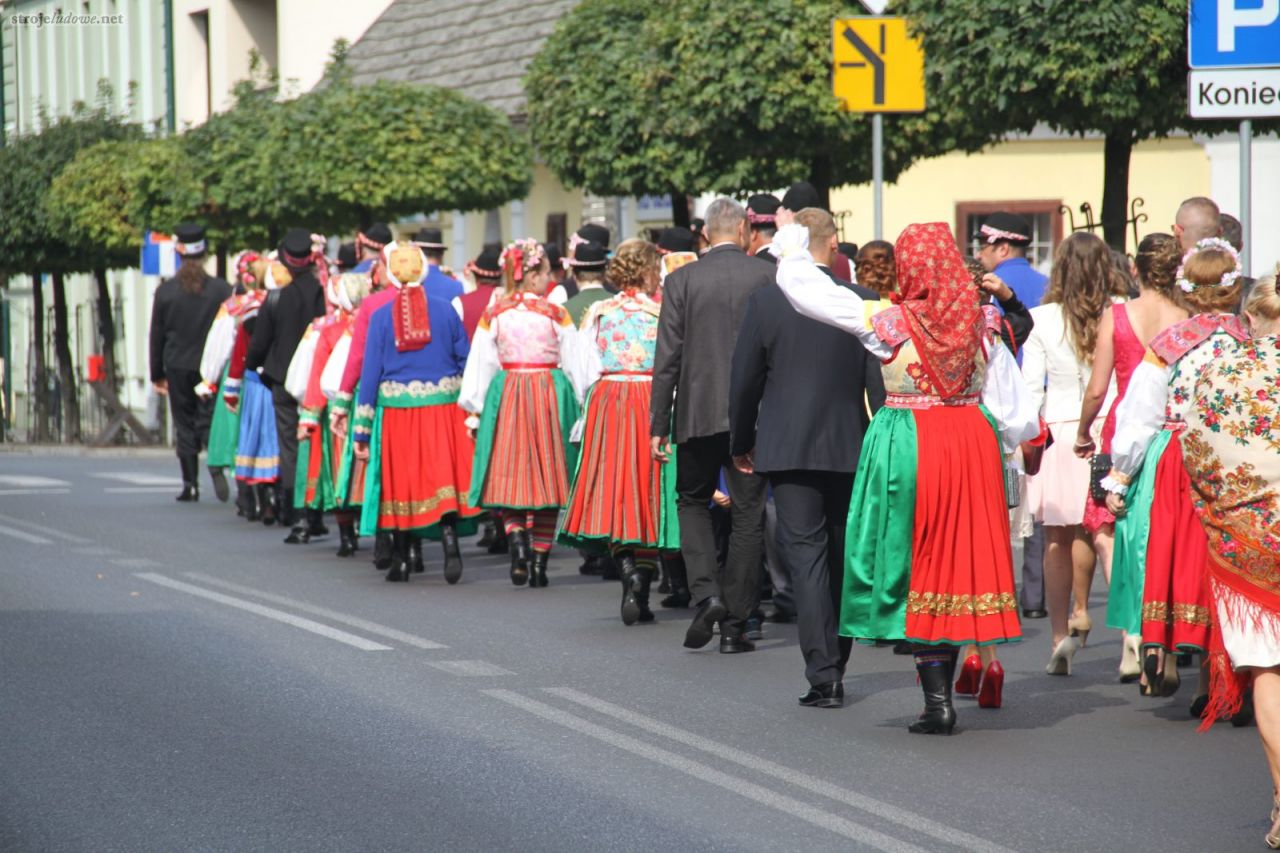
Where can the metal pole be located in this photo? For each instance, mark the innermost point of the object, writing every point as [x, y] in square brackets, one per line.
[877, 172]
[1246, 202]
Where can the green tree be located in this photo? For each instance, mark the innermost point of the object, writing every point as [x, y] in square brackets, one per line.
[629, 97]
[1117, 68]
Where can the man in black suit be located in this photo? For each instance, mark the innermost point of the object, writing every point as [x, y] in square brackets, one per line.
[282, 320]
[702, 308]
[798, 409]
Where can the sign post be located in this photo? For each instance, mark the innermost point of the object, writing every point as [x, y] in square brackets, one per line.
[877, 68]
[1234, 54]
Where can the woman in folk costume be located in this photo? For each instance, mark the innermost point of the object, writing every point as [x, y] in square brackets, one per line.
[621, 497]
[258, 447]
[319, 450]
[416, 442]
[523, 407]
[1232, 452]
[928, 548]
[1148, 476]
[224, 431]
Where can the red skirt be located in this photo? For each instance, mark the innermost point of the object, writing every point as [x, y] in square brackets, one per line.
[617, 495]
[527, 466]
[1176, 605]
[961, 587]
[426, 466]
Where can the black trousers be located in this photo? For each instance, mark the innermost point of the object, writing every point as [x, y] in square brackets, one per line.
[191, 415]
[812, 507]
[699, 462]
[286, 432]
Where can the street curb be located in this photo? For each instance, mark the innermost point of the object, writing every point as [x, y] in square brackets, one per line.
[75, 450]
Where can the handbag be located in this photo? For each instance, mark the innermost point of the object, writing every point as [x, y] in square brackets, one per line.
[1033, 450]
[1099, 468]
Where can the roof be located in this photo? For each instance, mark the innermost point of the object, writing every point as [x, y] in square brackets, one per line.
[480, 49]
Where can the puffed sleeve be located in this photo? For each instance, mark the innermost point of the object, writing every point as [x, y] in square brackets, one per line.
[583, 363]
[376, 343]
[217, 352]
[812, 293]
[482, 365]
[1005, 396]
[1139, 417]
[570, 356]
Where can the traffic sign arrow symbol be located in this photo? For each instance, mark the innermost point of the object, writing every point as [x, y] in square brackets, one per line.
[875, 60]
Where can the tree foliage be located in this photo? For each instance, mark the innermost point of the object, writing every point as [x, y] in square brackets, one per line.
[629, 97]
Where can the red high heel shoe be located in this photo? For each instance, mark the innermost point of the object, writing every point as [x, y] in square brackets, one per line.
[970, 676]
[992, 686]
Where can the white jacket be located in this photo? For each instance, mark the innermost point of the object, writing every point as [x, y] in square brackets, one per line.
[1055, 377]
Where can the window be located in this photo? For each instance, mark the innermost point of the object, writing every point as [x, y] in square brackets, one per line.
[558, 230]
[1044, 216]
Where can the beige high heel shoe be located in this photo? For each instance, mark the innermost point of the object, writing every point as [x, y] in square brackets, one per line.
[1273, 835]
[1079, 626]
[1130, 665]
[1060, 660]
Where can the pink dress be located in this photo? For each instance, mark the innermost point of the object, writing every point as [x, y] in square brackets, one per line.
[1129, 352]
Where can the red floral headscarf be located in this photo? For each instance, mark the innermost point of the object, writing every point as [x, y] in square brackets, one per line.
[939, 304]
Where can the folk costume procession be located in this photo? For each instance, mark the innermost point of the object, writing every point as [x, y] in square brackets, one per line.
[877, 504]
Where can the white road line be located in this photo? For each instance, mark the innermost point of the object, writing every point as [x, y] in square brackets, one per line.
[469, 668]
[134, 562]
[24, 535]
[833, 823]
[268, 612]
[4, 492]
[24, 481]
[136, 479]
[140, 490]
[867, 804]
[50, 531]
[332, 615]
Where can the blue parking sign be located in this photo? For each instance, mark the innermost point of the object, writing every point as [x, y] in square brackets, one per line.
[1233, 33]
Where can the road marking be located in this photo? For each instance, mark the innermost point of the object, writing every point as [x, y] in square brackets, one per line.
[469, 668]
[140, 490]
[811, 814]
[268, 612]
[332, 615]
[134, 562]
[24, 481]
[136, 479]
[24, 535]
[4, 492]
[882, 810]
[50, 531]
[95, 551]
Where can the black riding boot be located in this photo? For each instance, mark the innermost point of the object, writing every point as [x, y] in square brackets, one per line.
[346, 538]
[500, 543]
[221, 489]
[630, 610]
[286, 512]
[520, 557]
[679, 596]
[641, 584]
[488, 531]
[399, 570]
[246, 501]
[415, 553]
[452, 553]
[538, 574]
[190, 483]
[383, 550]
[664, 577]
[315, 523]
[267, 503]
[936, 667]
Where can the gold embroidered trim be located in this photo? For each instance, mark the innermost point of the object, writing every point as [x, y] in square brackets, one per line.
[447, 493]
[1187, 614]
[940, 604]
[417, 388]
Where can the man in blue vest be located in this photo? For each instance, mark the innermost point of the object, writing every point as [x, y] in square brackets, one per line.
[1004, 238]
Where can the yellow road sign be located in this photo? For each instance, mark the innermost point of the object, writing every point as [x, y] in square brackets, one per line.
[877, 66]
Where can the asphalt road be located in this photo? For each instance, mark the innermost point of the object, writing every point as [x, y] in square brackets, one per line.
[173, 678]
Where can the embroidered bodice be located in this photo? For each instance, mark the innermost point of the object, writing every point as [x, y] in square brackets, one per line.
[626, 333]
[526, 329]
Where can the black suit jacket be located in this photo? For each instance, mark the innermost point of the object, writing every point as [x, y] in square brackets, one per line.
[179, 323]
[702, 308]
[281, 324]
[798, 386]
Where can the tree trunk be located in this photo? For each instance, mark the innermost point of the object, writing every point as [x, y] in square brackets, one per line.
[820, 177]
[106, 327]
[221, 265]
[40, 385]
[680, 209]
[66, 368]
[1115, 187]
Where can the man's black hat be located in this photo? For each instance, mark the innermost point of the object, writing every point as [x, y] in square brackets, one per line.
[1006, 227]
[486, 264]
[677, 238]
[762, 210]
[379, 233]
[554, 256]
[429, 237]
[190, 239]
[800, 196]
[347, 256]
[588, 256]
[295, 248]
[595, 233]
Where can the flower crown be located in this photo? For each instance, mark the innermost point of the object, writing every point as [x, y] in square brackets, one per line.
[522, 256]
[1228, 278]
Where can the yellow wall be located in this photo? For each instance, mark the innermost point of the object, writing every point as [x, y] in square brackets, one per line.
[547, 195]
[1162, 173]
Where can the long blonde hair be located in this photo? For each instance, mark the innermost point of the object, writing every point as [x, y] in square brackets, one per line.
[1083, 282]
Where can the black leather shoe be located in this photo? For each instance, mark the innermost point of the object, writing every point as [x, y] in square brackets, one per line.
[221, 489]
[452, 553]
[382, 546]
[538, 573]
[678, 599]
[755, 628]
[709, 612]
[520, 558]
[1035, 613]
[500, 543]
[299, 535]
[829, 695]
[415, 555]
[630, 605]
[488, 534]
[347, 542]
[736, 645]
